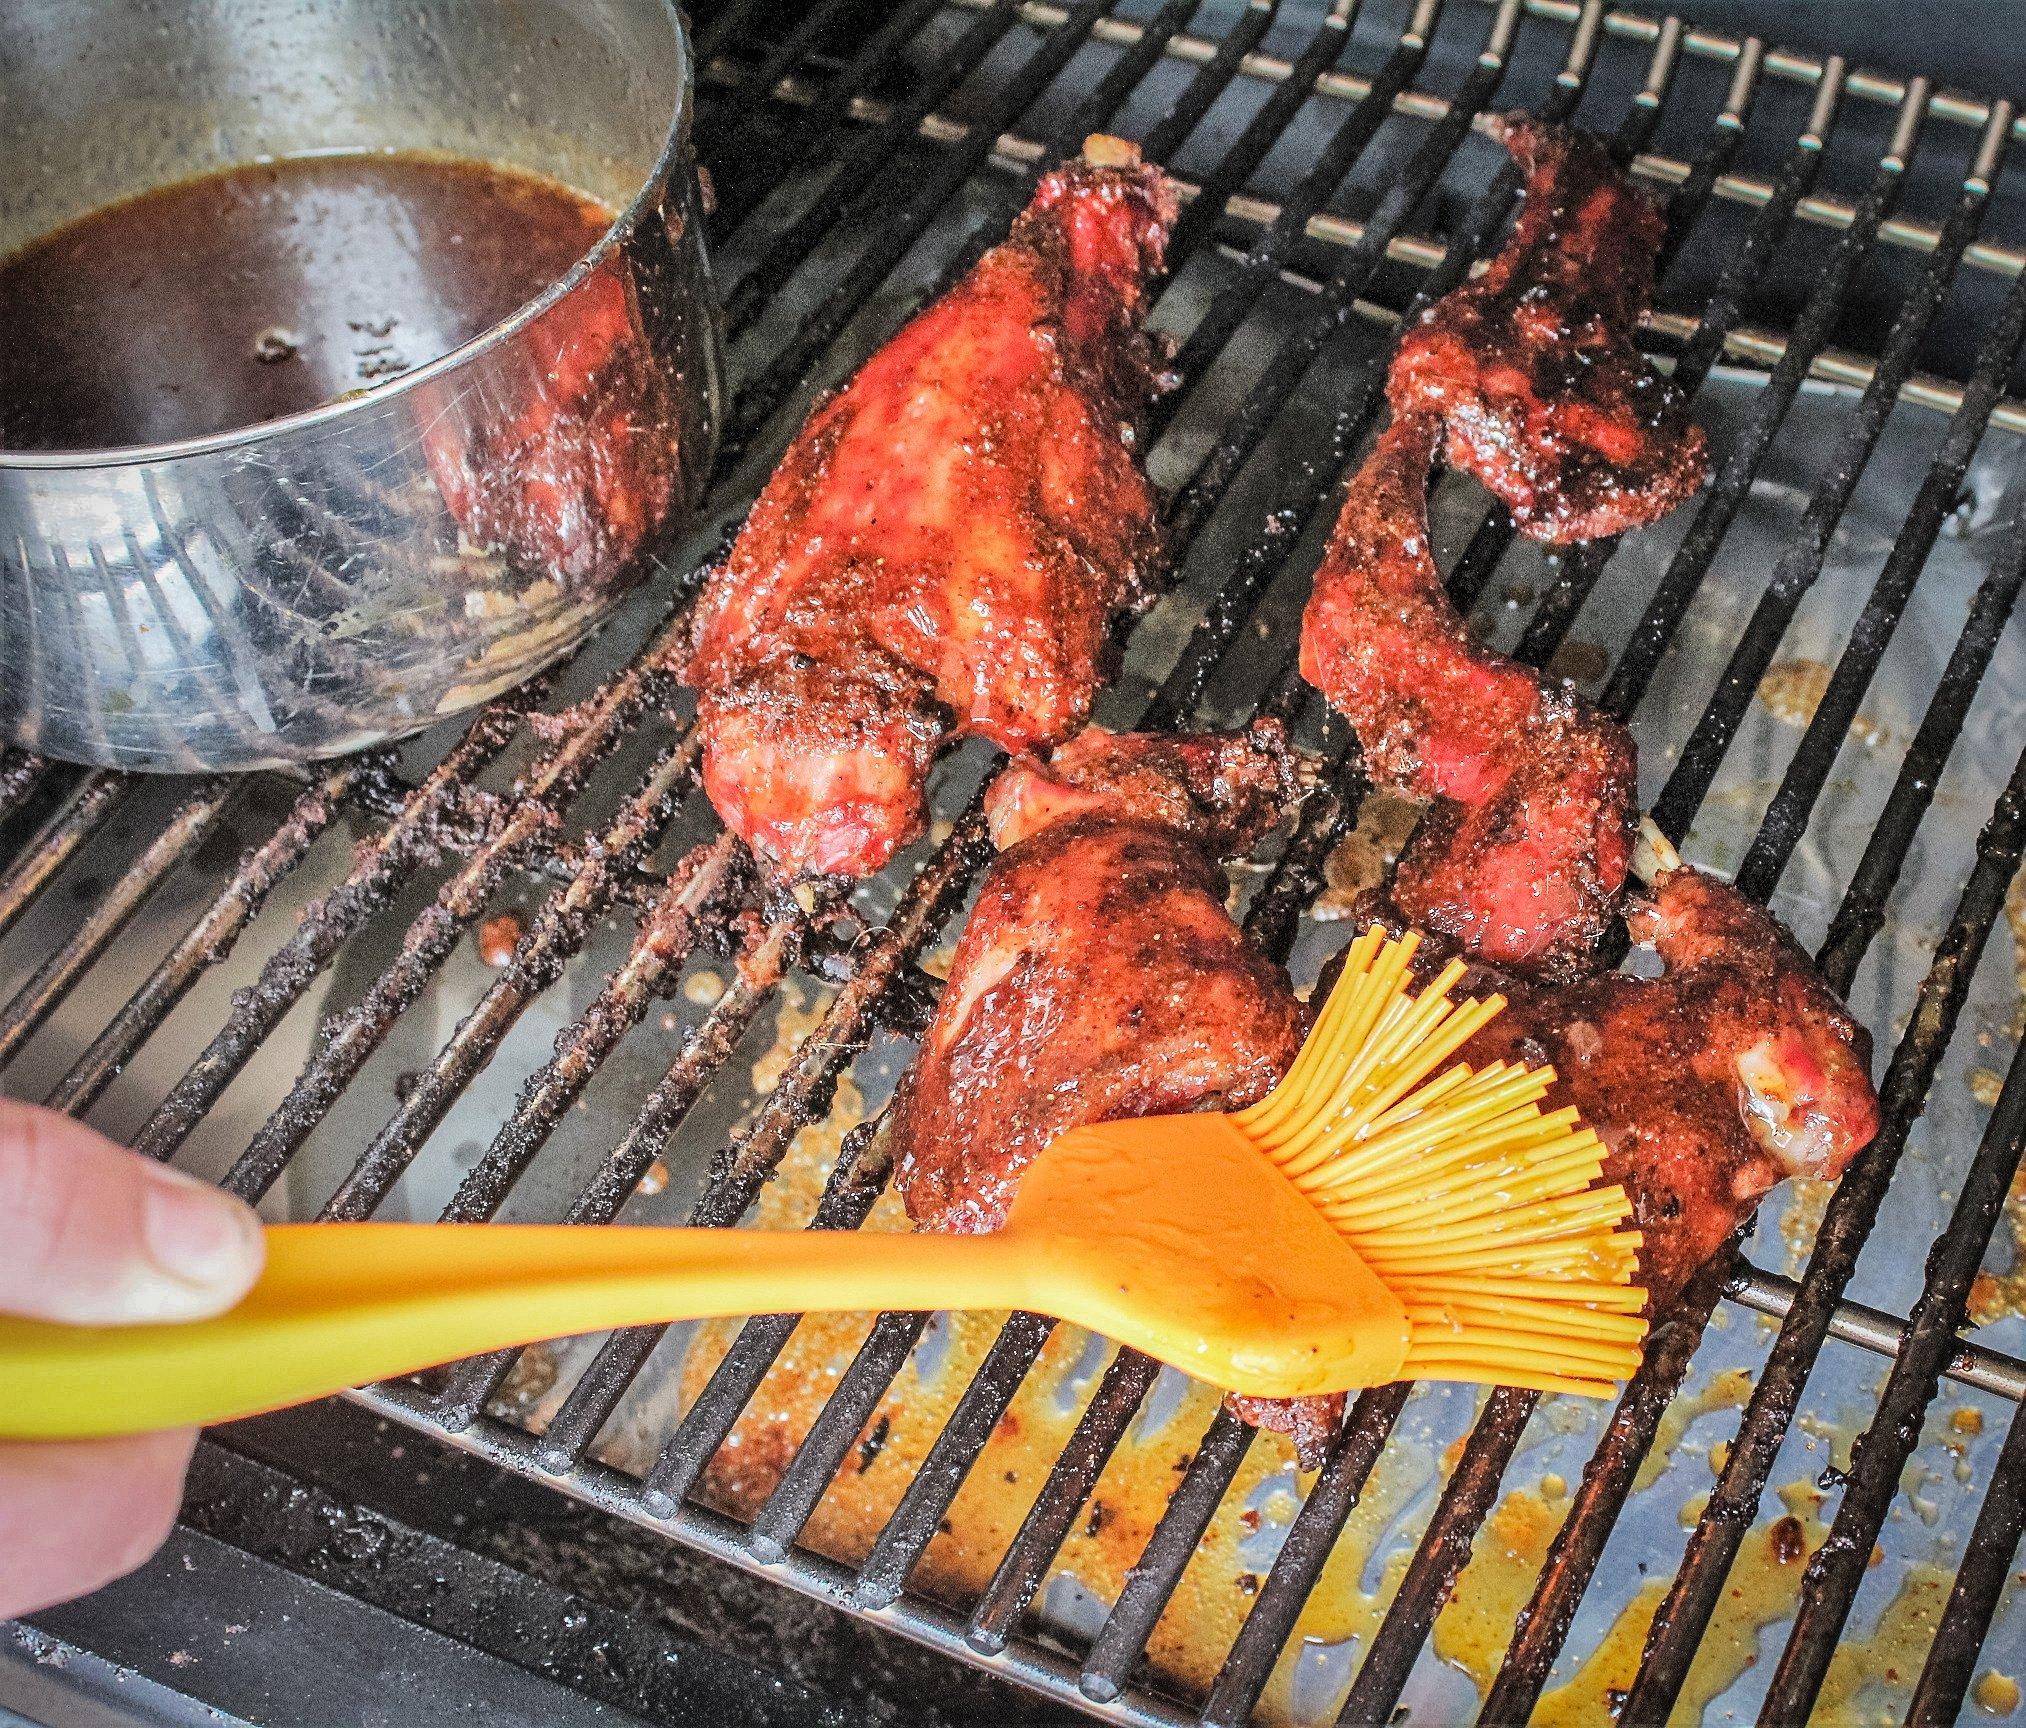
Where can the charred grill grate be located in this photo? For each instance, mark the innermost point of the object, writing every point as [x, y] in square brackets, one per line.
[1384, 205]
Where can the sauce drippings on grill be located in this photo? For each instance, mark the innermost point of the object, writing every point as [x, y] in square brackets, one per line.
[235, 297]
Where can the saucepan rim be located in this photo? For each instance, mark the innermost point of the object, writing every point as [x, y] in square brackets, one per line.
[668, 162]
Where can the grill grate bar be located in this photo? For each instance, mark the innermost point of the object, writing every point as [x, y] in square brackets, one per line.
[723, 1538]
[1121, 78]
[764, 163]
[836, 1429]
[915, 1521]
[1787, 816]
[1297, 874]
[842, 194]
[1234, 168]
[847, 1198]
[1846, 1223]
[1826, 210]
[1197, 500]
[1311, 1534]
[802, 1093]
[19, 773]
[1802, 561]
[1829, 1585]
[1094, 111]
[705, 882]
[1260, 267]
[1862, 914]
[1719, 505]
[83, 812]
[1151, 1583]
[1877, 1331]
[375, 876]
[1579, 1544]
[559, 928]
[1750, 345]
[736, 129]
[1201, 92]
[1443, 1551]
[1127, 1379]
[723, 27]
[182, 833]
[1608, 1478]
[1980, 1581]
[357, 1032]
[207, 941]
[758, 970]
[1198, 496]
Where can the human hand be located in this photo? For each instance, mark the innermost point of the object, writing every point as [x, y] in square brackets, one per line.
[91, 1234]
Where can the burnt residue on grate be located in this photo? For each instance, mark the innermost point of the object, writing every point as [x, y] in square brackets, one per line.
[317, 1026]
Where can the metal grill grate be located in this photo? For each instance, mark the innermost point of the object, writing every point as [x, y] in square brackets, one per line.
[1336, 178]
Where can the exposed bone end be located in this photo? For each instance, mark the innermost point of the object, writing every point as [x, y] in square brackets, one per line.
[1653, 854]
[1779, 1096]
[1102, 150]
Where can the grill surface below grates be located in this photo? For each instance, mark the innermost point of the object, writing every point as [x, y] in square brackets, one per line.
[1817, 658]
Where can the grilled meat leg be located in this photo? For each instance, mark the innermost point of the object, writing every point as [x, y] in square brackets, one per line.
[1523, 856]
[1100, 977]
[1734, 1069]
[945, 544]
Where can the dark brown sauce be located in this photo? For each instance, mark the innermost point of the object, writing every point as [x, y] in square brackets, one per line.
[236, 297]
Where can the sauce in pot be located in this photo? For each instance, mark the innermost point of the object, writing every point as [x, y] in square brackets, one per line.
[240, 296]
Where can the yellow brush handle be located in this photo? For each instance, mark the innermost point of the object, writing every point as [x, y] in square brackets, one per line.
[343, 1304]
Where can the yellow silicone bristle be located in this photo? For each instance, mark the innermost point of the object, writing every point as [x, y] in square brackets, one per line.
[1482, 1212]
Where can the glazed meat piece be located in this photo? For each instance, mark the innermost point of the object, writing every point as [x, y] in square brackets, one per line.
[1531, 366]
[1734, 1069]
[947, 541]
[1100, 977]
[1523, 855]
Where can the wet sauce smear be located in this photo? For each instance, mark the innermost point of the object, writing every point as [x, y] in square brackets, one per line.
[236, 297]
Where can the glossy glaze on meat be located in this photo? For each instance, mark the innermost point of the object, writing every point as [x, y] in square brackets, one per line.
[1101, 977]
[1531, 367]
[947, 541]
[1522, 856]
[1710, 1084]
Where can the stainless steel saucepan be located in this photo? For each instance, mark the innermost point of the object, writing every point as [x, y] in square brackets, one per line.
[357, 571]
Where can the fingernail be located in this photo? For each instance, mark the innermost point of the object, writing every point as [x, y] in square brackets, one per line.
[200, 1239]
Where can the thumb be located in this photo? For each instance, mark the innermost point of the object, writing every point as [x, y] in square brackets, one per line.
[93, 1234]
